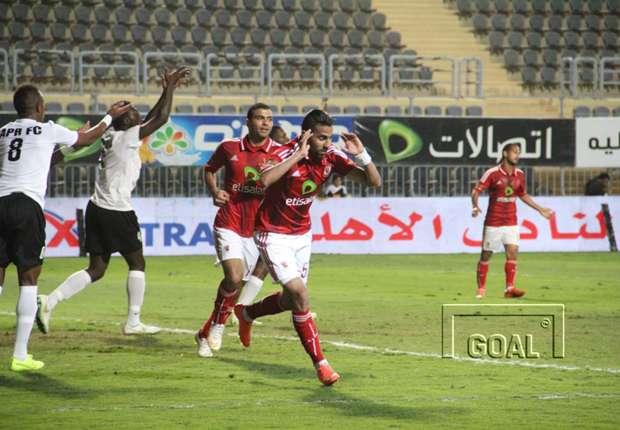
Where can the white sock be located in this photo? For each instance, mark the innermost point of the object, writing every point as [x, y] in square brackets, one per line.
[72, 285]
[135, 295]
[26, 310]
[250, 291]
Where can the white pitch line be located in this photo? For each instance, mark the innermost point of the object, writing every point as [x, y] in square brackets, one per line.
[389, 351]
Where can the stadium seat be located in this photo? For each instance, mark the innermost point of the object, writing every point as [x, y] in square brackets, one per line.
[481, 24]
[227, 109]
[206, 108]
[123, 15]
[143, 16]
[539, 7]
[97, 108]
[600, 111]
[483, 6]
[62, 14]
[548, 76]
[328, 5]
[348, 6]
[517, 23]
[184, 17]
[555, 23]
[289, 110]
[361, 21]
[557, 6]
[102, 15]
[379, 22]
[573, 23]
[581, 111]
[432, 111]
[413, 111]
[251, 5]
[616, 111]
[473, 111]
[76, 108]
[7, 107]
[290, 5]
[283, 19]
[53, 107]
[307, 108]
[184, 108]
[41, 13]
[537, 23]
[394, 110]
[464, 8]
[454, 111]
[270, 5]
[352, 110]
[333, 110]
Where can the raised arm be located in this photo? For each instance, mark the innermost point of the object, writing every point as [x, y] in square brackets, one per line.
[272, 174]
[367, 172]
[86, 135]
[158, 116]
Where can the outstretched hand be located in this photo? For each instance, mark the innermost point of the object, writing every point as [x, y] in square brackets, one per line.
[546, 212]
[352, 144]
[304, 147]
[119, 108]
[176, 78]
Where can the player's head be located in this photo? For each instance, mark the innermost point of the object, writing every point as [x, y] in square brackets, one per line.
[604, 177]
[511, 153]
[259, 121]
[337, 181]
[127, 120]
[279, 135]
[28, 102]
[321, 125]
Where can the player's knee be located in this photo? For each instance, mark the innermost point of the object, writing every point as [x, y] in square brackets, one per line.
[138, 265]
[234, 280]
[96, 271]
[485, 256]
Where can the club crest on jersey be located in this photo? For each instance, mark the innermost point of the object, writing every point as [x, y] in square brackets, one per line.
[251, 174]
[308, 187]
[327, 171]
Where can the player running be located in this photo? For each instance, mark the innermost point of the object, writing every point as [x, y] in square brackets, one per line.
[26, 148]
[234, 223]
[505, 183]
[283, 231]
[111, 223]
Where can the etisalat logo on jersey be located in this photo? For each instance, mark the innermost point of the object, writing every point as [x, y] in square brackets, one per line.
[250, 186]
[307, 187]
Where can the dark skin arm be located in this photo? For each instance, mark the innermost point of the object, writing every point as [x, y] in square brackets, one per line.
[160, 113]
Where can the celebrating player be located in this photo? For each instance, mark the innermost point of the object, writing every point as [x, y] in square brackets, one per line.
[279, 135]
[26, 148]
[234, 223]
[505, 183]
[283, 231]
[111, 223]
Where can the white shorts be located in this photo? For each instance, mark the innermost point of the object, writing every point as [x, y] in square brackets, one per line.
[494, 237]
[229, 245]
[286, 255]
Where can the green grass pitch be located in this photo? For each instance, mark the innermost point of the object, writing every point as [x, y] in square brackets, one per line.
[368, 307]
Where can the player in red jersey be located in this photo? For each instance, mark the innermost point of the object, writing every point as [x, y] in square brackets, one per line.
[283, 231]
[234, 223]
[505, 183]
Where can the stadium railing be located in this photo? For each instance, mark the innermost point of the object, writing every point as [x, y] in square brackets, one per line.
[77, 180]
[589, 74]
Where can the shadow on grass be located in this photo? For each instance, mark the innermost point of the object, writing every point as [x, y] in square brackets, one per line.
[42, 384]
[351, 406]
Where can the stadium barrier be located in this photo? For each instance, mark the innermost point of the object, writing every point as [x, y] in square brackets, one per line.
[183, 226]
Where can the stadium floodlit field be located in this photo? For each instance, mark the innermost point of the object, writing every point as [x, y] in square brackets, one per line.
[380, 324]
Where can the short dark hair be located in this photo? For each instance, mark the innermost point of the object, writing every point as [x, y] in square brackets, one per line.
[26, 99]
[604, 175]
[509, 146]
[274, 130]
[316, 117]
[257, 106]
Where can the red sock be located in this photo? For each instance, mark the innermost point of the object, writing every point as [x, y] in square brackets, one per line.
[270, 305]
[222, 308]
[308, 334]
[510, 268]
[481, 273]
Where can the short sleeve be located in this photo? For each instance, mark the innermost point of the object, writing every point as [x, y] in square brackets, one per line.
[131, 137]
[63, 136]
[278, 154]
[484, 182]
[521, 190]
[342, 164]
[217, 160]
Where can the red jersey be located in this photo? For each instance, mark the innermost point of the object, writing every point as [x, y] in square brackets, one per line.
[503, 192]
[242, 162]
[286, 207]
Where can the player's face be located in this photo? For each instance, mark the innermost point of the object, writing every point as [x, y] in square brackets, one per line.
[512, 155]
[260, 124]
[281, 137]
[320, 140]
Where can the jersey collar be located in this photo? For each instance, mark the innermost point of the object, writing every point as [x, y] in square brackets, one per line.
[514, 171]
[247, 146]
